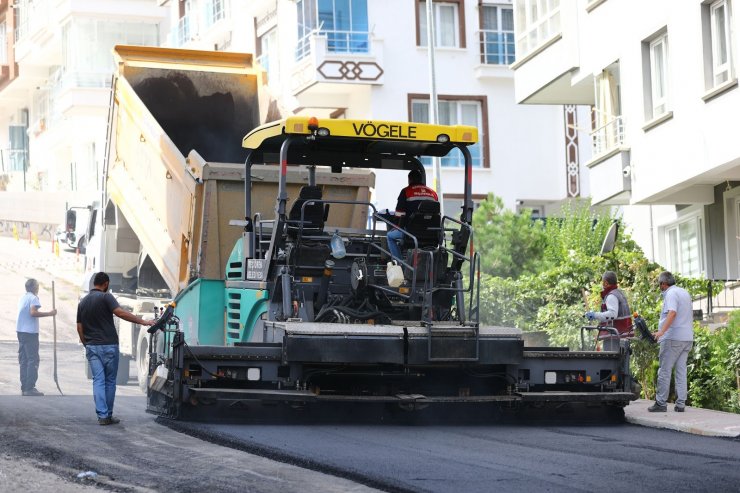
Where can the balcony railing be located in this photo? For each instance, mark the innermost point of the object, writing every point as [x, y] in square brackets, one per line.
[336, 42]
[31, 16]
[723, 295]
[14, 160]
[496, 47]
[608, 136]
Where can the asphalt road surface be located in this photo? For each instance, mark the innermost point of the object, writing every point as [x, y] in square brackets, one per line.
[46, 441]
[537, 454]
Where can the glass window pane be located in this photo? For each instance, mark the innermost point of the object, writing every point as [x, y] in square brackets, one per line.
[720, 35]
[489, 17]
[359, 15]
[420, 111]
[342, 15]
[422, 24]
[507, 19]
[469, 114]
[447, 113]
[673, 249]
[326, 15]
[446, 24]
[689, 248]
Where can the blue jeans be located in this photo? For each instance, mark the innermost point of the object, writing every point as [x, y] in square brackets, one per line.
[394, 236]
[28, 359]
[103, 361]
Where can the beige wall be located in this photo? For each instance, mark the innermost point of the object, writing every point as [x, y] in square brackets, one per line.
[38, 212]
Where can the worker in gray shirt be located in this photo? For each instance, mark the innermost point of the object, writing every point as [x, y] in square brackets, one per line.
[676, 337]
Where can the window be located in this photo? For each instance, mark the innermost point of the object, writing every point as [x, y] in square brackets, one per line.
[447, 24]
[658, 72]
[537, 21]
[268, 55]
[720, 69]
[214, 11]
[655, 75]
[684, 247]
[87, 44]
[608, 130]
[344, 23]
[3, 44]
[455, 111]
[497, 35]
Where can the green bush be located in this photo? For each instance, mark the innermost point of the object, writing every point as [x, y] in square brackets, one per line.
[712, 367]
[543, 278]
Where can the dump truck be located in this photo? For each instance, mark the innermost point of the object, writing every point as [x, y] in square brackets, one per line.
[174, 179]
[310, 311]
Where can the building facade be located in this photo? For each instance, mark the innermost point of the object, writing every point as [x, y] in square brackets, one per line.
[55, 75]
[369, 59]
[661, 78]
[327, 58]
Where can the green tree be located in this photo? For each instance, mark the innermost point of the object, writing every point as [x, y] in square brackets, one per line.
[512, 243]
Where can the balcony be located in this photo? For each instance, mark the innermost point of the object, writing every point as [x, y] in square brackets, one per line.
[35, 32]
[610, 172]
[548, 64]
[496, 53]
[333, 66]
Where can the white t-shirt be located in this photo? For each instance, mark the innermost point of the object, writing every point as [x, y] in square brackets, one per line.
[25, 322]
[678, 300]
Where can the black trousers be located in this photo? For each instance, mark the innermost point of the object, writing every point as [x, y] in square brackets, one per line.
[28, 359]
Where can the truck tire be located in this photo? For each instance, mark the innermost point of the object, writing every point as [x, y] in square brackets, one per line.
[142, 359]
[124, 368]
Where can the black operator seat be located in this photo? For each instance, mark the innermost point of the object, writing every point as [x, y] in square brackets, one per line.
[425, 223]
[314, 214]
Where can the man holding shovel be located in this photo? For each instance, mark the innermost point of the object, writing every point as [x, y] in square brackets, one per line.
[27, 329]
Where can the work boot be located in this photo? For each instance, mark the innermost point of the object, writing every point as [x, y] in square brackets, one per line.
[105, 421]
[679, 409]
[114, 420]
[657, 408]
[32, 392]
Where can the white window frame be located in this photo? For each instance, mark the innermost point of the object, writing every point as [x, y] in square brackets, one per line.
[459, 104]
[506, 55]
[536, 22]
[3, 43]
[660, 102]
[437, 6]
[269, 55]
[721, 71]
[678, 264]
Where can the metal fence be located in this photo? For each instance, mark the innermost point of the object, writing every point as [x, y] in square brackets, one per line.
[336, 42]
[496, 47]
[726, 300]
[608, 136]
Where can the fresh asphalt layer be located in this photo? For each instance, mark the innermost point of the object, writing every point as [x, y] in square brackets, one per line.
[541, 455]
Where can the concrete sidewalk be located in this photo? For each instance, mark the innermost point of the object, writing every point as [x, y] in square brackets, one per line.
[694, 420]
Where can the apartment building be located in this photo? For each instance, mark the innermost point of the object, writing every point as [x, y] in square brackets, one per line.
[55, 75]
[661, 78]
[369, 59]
